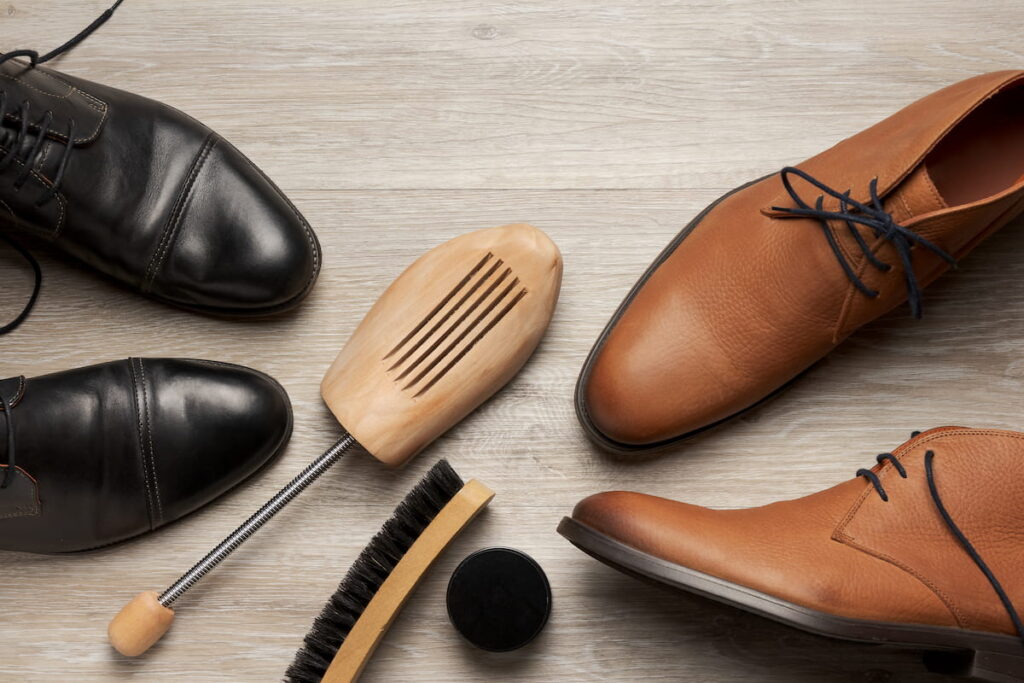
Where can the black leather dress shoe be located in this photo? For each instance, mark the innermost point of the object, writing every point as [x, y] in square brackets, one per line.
[146, 194]
[100, 454]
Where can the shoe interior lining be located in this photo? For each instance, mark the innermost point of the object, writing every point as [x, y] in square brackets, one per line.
[984, 154]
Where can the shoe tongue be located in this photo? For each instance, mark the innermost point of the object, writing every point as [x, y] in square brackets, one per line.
[913, 197]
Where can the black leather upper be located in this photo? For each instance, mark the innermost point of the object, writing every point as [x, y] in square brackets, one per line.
[152, 198]
[107, 452]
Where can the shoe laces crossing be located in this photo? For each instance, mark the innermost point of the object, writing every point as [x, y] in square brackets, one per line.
[16, 140]
[871, 215]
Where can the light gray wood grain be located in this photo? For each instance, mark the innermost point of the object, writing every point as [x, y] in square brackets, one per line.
[397, 124]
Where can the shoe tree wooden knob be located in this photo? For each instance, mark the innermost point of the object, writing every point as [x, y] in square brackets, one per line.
[448, 333]
[139, 624]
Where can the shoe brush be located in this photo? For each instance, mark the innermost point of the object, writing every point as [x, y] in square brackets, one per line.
[368, 599]
[450, 331]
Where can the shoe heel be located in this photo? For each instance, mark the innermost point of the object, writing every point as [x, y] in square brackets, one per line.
[984, 665]
[998, 667]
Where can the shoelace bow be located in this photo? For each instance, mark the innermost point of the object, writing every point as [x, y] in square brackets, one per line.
[871, 215]
[14, 140]
[933, 489]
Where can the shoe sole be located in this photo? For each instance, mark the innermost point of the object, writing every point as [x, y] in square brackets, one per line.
[238, 313]
[592, 431]
[986, 656]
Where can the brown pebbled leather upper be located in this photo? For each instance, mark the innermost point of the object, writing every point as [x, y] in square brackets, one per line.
[749, 299]
[845, 551]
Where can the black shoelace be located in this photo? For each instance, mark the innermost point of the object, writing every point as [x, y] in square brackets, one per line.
[15, 139]
[929, 467]
[872, 215]
[9, 471]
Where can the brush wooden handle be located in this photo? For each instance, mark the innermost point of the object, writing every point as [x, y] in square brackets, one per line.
[375, 620]
[449, 332]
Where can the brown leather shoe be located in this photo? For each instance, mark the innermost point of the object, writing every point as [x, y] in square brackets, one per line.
[775, 274]
[925, 550]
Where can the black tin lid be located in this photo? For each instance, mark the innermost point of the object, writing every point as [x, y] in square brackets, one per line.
[499, 599]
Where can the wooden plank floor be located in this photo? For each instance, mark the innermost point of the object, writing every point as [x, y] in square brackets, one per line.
[397, 124]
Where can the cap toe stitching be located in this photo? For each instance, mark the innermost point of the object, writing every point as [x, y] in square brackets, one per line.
[142, 449]
[149, 442]
[174, 221]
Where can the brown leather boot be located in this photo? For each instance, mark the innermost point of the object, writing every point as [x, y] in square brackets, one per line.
[774, 275]
[926, 549]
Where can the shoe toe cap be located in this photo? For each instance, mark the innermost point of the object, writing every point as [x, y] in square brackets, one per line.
[239, 247]
[213, 425]
[654, 525]
[663, 373]
[613, 401]
[611, 513]
[633, 398]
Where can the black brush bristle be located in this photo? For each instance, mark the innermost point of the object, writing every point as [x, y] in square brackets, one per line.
[369, 571]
